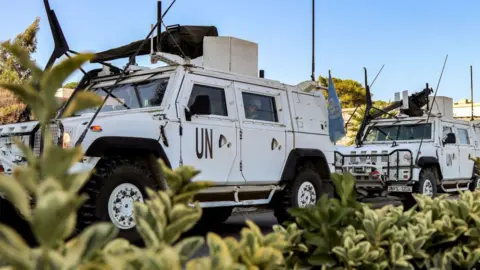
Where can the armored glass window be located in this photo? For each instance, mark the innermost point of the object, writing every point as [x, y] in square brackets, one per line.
[206, 100]
[131, 96]
[151, 93]
[463, 136]
[259, 107]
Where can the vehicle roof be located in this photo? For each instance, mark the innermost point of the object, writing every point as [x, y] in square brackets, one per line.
[147, 73]
[420, 118]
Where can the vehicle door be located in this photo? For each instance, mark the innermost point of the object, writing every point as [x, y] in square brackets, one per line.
[465, 149]
[263, 118]
[208, 113]
[449, 153]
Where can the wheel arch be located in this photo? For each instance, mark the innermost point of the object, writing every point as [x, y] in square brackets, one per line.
[115, 146]
[301, 156]
[429, 162]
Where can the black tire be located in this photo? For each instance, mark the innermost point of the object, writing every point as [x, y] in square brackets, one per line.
[475, 184]
[428, 177]
[428, 180]
[110, 174]
[289, 196]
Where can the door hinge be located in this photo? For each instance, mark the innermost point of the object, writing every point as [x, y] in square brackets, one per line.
[241, 133]
[180, 130]
[241, 166]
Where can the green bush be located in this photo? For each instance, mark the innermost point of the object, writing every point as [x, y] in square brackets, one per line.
[438, 233]
[336, 233]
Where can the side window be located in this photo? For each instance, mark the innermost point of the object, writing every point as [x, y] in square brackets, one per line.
[205, 100]
[259, 107]
[463, 136]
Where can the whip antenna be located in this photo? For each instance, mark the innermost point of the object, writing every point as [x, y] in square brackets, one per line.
[313, 40]
[431, 107]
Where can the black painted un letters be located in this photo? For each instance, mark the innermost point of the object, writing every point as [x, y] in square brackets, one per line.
[206, 143]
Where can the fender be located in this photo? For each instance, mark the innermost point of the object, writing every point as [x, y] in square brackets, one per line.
[429, 161]
[297, 156]
[102, 146]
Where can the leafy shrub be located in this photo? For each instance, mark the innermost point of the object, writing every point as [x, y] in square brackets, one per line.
[438, 233]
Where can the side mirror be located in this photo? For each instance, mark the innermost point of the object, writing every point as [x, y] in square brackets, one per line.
[201, 106]
[188, 113]
[451, 139]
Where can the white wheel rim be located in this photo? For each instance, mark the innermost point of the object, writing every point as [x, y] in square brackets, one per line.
[427, 188]
[120, 205]
[478, 183]
[306, 195]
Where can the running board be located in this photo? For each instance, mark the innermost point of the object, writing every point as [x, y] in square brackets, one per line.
[222, 196]
[457, 184]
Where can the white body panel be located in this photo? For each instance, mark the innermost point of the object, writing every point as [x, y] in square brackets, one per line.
[453, 158]
[237, 152]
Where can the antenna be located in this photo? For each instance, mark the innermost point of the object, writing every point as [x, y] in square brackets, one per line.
[159, 28]
[471, 91]
[430, 110]
[313, 40]
[120, 77]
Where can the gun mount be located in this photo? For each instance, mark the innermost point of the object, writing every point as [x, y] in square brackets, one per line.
[413, 107]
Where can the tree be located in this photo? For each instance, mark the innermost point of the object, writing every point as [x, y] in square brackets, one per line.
[350, 92]
[11, 71]
[71, 85]
[352, 95]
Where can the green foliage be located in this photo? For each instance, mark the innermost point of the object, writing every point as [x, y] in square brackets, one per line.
[12, 71]
[438, 233]
[46, 181]
[352, 95]
[71, 85]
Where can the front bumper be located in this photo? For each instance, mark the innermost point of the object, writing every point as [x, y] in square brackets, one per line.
[380, 173]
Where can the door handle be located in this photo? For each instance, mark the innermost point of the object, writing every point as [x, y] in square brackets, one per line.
[274, 144]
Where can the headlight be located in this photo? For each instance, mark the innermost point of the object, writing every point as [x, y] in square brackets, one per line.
[66, 140]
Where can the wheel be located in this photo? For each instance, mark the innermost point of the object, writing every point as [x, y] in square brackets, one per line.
[113, 189]
[475, 184]
[428, 183]
[305, 190]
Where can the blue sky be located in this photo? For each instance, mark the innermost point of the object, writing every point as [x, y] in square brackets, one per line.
[410, 37]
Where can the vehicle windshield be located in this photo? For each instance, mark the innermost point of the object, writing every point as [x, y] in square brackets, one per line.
[131, 96]
[404, 132]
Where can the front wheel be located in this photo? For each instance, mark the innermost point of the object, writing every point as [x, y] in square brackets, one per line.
[113, 189]
[305, 190]
[427, 185]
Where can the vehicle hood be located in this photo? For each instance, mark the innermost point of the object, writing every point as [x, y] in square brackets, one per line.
[382, 148]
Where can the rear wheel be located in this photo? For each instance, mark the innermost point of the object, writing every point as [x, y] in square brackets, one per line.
[113, 189]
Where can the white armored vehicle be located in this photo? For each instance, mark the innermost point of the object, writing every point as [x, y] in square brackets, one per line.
[412, 152]
[263, 142]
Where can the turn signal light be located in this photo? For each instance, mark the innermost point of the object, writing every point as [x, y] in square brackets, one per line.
[96, 128]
